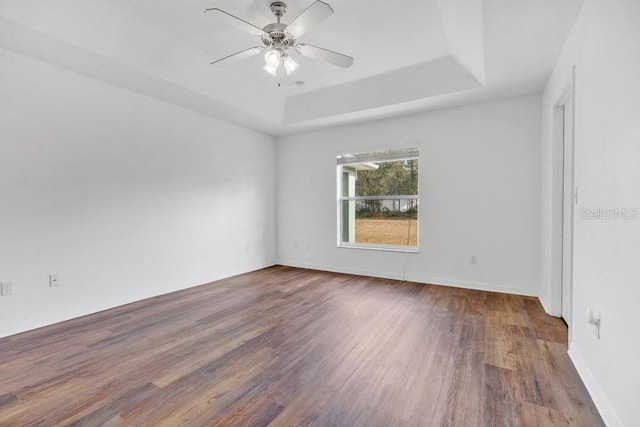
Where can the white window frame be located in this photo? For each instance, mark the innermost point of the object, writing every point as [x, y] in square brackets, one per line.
[359, 157]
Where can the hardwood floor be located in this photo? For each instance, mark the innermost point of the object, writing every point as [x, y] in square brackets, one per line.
[291, 347]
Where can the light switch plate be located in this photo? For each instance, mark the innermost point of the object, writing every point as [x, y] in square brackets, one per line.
[54, 280]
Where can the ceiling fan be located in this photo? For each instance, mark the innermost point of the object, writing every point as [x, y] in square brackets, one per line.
[279, 39]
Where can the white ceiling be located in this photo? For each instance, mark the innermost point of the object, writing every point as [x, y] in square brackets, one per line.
[410, 56]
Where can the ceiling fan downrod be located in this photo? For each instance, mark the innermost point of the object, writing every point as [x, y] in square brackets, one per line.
[279, 9]
[275, 35]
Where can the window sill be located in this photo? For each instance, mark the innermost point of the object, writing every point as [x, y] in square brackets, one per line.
[389, 248]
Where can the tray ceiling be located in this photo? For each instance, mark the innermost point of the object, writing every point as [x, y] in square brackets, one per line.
[410, 56]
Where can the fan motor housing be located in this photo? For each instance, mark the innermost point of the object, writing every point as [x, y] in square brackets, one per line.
[277, 35]
[274, 29]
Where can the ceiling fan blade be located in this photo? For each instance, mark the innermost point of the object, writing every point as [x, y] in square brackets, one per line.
[314, 14]
[326, 55]
[239, 56]
[237, 22]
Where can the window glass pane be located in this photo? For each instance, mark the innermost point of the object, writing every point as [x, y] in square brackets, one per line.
[387, 178]
[381, 221]
[379, 198]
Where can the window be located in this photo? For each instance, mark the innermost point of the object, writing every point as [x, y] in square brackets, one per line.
[378, 199]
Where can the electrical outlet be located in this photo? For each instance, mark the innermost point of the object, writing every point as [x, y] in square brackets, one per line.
[474, 259]
[295, 245]
[54, 280]
[6, 289]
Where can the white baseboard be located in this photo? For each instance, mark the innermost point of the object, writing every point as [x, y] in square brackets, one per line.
[545, 306]
[604, 406]
[478, 286]
[101, 305]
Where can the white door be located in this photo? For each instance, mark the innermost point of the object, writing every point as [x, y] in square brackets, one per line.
[567, 213]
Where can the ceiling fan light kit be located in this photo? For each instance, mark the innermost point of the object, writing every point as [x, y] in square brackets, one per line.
[278, 38]
[276, 57]
[289, 64]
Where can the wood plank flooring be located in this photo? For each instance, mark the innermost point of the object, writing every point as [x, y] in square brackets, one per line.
[292, 347]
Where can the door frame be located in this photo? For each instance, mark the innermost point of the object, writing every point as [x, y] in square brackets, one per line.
[567, 94]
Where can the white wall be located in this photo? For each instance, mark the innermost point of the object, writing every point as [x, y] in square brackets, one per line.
[604, 46]
[479, 194]
[124, 196]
